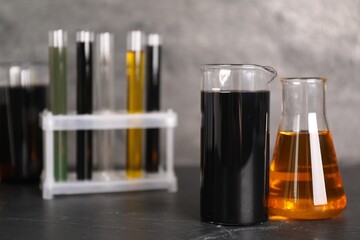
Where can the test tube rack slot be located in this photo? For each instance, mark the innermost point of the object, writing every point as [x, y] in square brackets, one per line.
[164, 179]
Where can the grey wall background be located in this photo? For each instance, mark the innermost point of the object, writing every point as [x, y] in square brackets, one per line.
[298, 38]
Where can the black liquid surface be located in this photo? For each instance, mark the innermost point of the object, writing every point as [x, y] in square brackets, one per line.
[83, 106]
[234, 157]
[152, 136]
[24, 134]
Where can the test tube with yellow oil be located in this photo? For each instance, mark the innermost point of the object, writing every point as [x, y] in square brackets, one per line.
[135, 61]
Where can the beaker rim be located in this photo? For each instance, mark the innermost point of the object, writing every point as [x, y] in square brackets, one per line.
[233, 66]
[303, 79]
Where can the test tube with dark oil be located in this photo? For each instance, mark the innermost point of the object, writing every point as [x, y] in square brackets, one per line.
[84, 53]
[152, 135]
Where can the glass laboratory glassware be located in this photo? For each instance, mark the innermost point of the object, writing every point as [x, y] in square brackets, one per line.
[58, 97]
[153, 70]
[104, 100]
[26, 98]
[235, 103]
[5, 159]
[305, 181]
[135, 68]
[84, 102]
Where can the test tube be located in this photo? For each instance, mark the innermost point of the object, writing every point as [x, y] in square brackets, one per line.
[104, 99]
[135, 60]
[58, 97]
[84, 57]
[152, 135]
[5, 146]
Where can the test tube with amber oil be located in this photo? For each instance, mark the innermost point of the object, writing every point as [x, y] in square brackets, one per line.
[135, 61]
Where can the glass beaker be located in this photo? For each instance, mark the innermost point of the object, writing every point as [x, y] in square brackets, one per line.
[25, 97]
[235, 143]
[305, 181]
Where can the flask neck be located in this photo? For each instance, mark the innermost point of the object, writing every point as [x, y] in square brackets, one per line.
[303, 104]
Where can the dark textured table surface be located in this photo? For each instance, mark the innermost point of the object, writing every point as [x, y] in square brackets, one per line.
[154, 215]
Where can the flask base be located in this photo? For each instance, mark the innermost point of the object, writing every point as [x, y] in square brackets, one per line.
[291, 210]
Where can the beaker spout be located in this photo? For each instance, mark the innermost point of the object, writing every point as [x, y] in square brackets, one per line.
[272, 73]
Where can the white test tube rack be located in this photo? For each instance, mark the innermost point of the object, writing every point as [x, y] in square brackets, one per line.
[164, 179]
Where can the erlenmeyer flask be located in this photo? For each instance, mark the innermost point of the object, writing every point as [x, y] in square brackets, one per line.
[305, 181]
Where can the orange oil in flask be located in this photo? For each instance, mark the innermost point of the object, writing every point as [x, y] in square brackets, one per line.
[305, 181]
